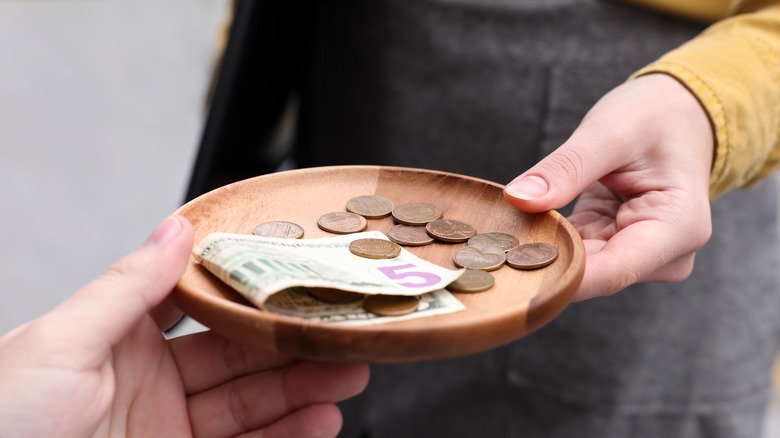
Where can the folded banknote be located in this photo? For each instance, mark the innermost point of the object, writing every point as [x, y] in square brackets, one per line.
[258, 267]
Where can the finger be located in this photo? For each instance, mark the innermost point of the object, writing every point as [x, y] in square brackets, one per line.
[130, 288]
[315, 421]
[166, 314]
[561, 176]
[206, 360]
[634, 255]
[258, 400]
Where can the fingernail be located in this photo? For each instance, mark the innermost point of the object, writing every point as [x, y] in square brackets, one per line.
[527, 188]
[165, 232]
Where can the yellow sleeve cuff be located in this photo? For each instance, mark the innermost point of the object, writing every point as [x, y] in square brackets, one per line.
[733, 68]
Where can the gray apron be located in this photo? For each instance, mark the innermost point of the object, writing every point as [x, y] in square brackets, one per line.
[486, 88]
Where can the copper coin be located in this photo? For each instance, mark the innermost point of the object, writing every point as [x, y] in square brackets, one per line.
[370, 206]
[391, 305]
[335, 296]
[374, 248]
[409, 235]
[450, 230]
[281, 229]
[532, 256]
[473, 280]
[484, 257]
[416, 213]
[342, 222]
[502, 240]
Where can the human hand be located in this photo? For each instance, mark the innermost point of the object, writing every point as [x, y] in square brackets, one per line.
[97, 365]
[641, 160]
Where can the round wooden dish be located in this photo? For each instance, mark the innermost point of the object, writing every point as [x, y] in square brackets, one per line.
[519, 303]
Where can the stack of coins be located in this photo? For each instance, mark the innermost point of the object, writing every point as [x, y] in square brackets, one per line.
[375, 248]
[409, 235]
[532, 256]
[450, 230]
[482, 257]
[418, 224]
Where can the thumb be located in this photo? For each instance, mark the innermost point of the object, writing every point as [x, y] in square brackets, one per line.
[114, 302]
[560, 177]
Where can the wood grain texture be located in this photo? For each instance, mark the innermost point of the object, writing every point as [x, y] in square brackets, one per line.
[520, 302]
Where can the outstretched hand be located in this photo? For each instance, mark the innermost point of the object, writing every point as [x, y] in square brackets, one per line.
[640, 162]
[97, 365]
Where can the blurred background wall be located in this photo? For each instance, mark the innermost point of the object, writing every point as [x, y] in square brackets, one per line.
[101, 109]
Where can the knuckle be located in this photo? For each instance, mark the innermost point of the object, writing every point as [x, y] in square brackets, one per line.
[680, 271]
[567, 163]
[704, 235]
[239, 407]
[236, 359]
[121, 269]
[626, 279]
[677, 271]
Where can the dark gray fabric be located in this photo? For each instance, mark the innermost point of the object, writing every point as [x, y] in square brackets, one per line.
[486, 88]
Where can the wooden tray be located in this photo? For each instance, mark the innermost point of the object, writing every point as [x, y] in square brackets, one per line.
[519, 303]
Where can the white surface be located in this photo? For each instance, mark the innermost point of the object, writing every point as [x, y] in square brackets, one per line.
[773, 419]
[100, 114]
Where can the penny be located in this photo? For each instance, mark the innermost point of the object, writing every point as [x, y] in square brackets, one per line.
[502, 240]
[409, 235]
[370, 206]
[532, 256]
[342, 222]
[416, 213]
[391, 305]
[473, 280]
[335, 296]
[450, 230]
[281, 229]
[374, 248]
[484, 257]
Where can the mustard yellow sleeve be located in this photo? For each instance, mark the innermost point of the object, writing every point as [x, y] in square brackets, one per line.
[707, 11]
[733, 68]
